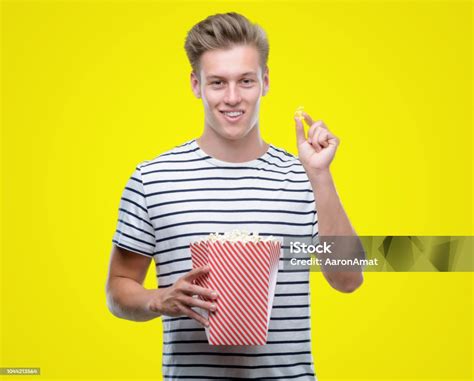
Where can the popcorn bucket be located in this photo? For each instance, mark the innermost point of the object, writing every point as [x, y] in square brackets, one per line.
[244, 274]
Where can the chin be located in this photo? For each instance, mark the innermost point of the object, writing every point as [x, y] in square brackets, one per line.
[233, 132]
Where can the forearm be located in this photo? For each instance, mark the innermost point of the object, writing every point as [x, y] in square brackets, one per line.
[334, 224]
[127, 299]
[332, 219]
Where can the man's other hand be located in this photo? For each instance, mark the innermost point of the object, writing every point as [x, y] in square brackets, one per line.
[178, 299]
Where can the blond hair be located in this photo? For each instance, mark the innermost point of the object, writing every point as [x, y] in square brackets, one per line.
[224, 31]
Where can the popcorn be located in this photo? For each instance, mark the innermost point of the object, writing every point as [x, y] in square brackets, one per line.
[237, 236]
[299, 113]
[243, 270]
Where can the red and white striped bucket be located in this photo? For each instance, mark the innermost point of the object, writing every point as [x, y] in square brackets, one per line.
[244, 275]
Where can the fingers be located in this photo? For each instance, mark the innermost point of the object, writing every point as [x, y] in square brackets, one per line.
[300, 135]
[320, 139]
[196, 273]
[310, 121]
[314, 141]
[194, 315]
[311, 132]
[195, 302]
[323, 138]
[318, 134]
[192, 289]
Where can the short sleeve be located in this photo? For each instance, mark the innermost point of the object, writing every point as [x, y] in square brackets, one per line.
[134, 231]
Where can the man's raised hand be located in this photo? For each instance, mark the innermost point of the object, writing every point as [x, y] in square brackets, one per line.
[317, 150]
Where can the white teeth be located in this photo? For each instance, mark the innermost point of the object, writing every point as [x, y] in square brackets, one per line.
[234, 113]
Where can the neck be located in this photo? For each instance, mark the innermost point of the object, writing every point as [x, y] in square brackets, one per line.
[248, 148]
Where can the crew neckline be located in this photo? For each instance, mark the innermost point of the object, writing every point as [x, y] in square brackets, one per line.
[221, 163]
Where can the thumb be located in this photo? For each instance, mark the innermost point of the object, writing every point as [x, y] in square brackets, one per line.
[300, 134]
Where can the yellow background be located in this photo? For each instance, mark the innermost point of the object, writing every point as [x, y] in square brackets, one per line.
[90, 89]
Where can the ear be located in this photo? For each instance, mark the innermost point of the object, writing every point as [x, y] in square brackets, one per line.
[195, 85]
[266, 81]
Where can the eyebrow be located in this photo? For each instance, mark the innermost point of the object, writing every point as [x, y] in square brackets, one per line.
[242, 75]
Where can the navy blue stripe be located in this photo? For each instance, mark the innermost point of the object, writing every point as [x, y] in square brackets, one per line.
[134, 179]
[294, 271]
[137, 217]
[179, 153]
[289, 259]
[229, 200]
[233, 211]
[184, 330]
[215, 168]
[303, 282]
[206, 342]
[235, 223]
[283, 152]
[137, 228]
[135, 239]
[173, 261]
[186, 144]
[279, 158]
[237, 366]
[176, 161]
[134, 203]
[135, 191]
[240, 378]
[225, 179]
[295, 294]
[175, 272]
[290, 330]
[172, 249]
[293, 306]
[131, 248]
[290, 318]
[280, 166]
[235, 354]
[227, 190]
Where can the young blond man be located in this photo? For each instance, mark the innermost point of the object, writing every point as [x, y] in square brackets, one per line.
[229, 178]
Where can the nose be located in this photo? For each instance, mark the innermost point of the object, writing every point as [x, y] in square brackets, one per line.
[232, 95]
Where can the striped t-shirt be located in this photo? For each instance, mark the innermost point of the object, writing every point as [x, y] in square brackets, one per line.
[183, 195]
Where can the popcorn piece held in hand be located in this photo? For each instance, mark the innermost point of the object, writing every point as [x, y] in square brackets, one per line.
[238, 236]
[299, 113]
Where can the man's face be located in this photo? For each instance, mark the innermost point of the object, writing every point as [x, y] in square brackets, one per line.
[231, 84]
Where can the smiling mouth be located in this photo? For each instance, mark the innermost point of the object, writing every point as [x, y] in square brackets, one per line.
[233, 114]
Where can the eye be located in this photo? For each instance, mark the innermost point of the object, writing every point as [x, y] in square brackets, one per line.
[248, 82]
[216, 83]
